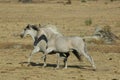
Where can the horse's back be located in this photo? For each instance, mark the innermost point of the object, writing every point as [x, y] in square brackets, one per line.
[77, 41]
[68, 43]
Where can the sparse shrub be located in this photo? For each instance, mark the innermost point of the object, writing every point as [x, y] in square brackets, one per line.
[92, 0]
[113, 0]
[117, 24]
[83, 1]
[106, 3]
[88, 22]
[69, 2]
[25, 1]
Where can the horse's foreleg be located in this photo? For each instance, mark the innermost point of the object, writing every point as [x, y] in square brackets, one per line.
[35, 50]
[44, 59]
[47, 52]
[58, 62]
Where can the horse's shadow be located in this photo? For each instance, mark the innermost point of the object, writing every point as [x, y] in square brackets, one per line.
[85, 67]
[40, 64]
[54, 65]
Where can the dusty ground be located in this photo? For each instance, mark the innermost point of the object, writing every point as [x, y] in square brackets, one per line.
[70, 21]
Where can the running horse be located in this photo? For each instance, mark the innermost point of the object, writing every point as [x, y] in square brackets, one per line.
[53, 41]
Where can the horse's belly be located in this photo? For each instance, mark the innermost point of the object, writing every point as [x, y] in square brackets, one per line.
[62, 47]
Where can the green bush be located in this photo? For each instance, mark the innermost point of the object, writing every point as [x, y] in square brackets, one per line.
[25, 1]
[83, 1]
[88, 22]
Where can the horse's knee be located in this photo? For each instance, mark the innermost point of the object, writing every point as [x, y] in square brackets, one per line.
[65, 59]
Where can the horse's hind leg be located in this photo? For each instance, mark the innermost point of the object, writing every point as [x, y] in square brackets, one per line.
[65, 60]
[78, 56]
[62, 55]
[90, 59]
[58, 62]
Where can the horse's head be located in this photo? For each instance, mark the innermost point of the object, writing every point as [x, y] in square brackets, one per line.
[29, 30]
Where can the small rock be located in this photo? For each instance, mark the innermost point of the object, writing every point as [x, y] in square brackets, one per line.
[114, 79]
[17, 46]
[81, 75]
[110, 58]
[115, 71]
[8, 63]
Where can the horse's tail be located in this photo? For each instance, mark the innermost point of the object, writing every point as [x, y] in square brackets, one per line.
[78, 56]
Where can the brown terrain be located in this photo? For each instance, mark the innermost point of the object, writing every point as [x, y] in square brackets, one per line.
[70, 20]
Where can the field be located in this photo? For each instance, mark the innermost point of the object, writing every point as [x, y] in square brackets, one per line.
[70, 20]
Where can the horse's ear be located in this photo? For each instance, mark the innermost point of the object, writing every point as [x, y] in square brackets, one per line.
[40, 25]
[28, 26]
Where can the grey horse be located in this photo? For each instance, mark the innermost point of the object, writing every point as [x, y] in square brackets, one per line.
[59, 43]
[54, 41]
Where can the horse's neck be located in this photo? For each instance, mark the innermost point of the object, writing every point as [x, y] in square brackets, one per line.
[50, 34]
[34, 36]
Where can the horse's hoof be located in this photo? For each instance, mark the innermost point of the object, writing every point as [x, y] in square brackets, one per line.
[22, 64]
[94, 69]
[37, 63]
[65, 68]
[43, 66]
[28, 65]
[56, 68]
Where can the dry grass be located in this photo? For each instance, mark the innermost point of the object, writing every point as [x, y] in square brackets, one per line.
[70, 21]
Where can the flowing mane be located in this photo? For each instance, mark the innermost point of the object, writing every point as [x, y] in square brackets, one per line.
[52, 28]
[35, 27]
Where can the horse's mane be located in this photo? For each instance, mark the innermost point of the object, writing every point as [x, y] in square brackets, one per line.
[52, 28]
[33, 27]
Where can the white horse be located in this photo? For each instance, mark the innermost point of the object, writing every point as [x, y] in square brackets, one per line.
[40, 42]
[60, 43]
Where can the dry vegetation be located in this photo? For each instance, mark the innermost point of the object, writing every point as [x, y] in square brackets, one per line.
[70, 20]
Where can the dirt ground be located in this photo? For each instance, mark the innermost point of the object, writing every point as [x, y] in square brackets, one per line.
[70, 20]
